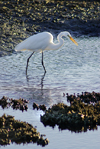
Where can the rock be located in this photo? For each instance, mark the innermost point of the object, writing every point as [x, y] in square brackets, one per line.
[77, 117]
[41, 107]
[86, 97]
[12, 130]
[20, 104]
[35, 106]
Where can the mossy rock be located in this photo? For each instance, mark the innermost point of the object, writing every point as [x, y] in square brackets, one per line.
[76, 117]
[85, 97]
[12, 130]
[20, 103]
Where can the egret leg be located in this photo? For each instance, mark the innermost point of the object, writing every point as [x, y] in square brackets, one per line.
[28, 62]
[43, 63]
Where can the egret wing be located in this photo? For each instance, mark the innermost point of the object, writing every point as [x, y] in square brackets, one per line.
[35, 43]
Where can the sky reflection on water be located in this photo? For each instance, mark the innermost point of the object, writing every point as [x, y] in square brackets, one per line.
[70, 69]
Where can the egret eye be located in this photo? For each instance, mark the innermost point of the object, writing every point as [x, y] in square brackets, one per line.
[69, 35]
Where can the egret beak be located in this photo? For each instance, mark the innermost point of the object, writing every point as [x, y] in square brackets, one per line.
[73, 40]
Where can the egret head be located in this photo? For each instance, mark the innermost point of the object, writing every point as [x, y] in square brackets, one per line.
[70, 37]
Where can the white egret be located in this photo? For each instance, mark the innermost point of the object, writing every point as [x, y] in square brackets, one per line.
[41, 42]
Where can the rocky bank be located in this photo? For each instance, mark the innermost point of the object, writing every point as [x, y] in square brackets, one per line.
[20, 19]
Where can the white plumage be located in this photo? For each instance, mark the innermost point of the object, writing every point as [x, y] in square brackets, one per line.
[41, 42]
[36, 42]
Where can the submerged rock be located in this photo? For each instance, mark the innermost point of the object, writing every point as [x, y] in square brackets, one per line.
[12, 130]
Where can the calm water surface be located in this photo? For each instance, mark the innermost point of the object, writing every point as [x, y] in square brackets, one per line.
[70, 69]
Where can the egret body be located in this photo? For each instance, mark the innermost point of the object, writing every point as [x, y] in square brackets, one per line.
[41, 42]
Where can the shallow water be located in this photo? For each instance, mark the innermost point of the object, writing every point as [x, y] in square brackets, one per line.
[70, 69]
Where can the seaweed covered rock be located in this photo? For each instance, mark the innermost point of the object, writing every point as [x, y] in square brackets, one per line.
[3, 102]
[41, 107]
[12, 130]
[20, 103]
[76, 117]
[85, 97]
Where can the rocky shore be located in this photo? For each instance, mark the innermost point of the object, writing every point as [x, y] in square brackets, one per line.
[83, 114]
[20, 19]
